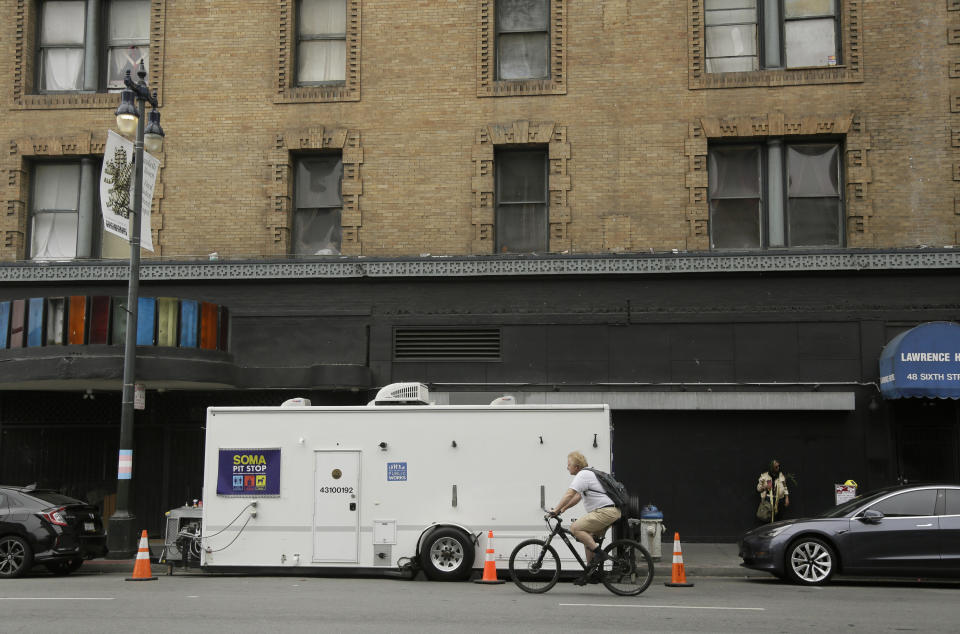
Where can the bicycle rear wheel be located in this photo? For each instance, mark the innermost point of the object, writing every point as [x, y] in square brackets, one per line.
[534, 566]
[628, 570]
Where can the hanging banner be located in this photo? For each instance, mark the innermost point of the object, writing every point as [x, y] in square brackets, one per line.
[116, 188]
[248, 472]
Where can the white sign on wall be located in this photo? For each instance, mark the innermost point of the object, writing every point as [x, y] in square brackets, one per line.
[116, 188]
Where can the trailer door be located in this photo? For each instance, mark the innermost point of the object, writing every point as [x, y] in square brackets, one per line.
[336, 515]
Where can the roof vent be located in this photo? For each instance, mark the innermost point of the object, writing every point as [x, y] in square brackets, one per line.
[402, 394]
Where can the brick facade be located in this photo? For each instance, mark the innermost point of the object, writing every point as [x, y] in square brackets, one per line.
[629, 107]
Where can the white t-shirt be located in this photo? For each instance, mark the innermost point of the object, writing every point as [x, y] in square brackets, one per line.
[586, 484]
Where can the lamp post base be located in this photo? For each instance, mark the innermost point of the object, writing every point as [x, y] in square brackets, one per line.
[122, 536]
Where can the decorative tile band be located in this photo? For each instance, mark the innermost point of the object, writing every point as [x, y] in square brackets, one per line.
[485, 266]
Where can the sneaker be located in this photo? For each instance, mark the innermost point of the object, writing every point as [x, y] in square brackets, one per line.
[591, 575]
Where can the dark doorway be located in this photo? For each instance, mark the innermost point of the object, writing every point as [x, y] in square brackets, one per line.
[927, 440]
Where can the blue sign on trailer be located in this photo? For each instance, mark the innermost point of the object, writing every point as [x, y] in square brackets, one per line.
[248, 472]
[922, 362]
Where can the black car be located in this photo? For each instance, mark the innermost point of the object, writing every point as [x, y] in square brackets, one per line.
[39, 526]
[897, 531]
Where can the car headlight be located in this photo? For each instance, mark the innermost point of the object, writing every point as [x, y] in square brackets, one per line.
[773, 532]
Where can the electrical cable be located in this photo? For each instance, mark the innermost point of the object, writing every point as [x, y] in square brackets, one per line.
[234, 538]
[231, 521]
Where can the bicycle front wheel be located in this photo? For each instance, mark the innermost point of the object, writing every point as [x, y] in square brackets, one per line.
[628, 570]
[534, 566]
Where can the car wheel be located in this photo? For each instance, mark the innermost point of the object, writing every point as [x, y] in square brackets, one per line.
[447, 555]
[62, 568]
[810, 561]
[15, 557]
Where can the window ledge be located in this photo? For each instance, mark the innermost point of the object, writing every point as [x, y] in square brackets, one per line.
[69, 100]
[777, 77]
[523, 88]
[321, 93]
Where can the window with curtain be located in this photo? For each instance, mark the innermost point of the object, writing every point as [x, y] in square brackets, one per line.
[56, 205]
[775, 195]
[321, 41]
[317, 205]
[62, 38]
[746, 35]
[523, 39]
[70, 61]
[128, 39]
[521, 222]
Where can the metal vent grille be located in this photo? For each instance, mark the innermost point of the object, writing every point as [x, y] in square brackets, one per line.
[446, 344]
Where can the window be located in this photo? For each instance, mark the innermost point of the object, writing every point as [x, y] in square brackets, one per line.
[62, 45]
[65, 221]
[318, 204]
[775, 195]
[521, 199]
[128, 39]
[952, 502]
[523, 39]
[70, 52]
[321, 42]
[910, 504]
[744, 35]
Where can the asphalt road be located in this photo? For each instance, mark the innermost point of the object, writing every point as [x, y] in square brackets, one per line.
[206, 603]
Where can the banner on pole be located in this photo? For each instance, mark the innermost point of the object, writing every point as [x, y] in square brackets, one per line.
[116, 188]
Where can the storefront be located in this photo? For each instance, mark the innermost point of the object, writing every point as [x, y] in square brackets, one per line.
[920, 379]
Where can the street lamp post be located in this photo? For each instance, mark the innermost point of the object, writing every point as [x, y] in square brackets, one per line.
[121, 538]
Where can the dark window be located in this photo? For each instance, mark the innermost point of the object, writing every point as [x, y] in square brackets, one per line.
[952, 502]
[521, 216]
[910, 504]
[744, 35]
[523, 39]
[775, 195]
[321, 42]
[72, 57]
[3, 501]
[318, 204]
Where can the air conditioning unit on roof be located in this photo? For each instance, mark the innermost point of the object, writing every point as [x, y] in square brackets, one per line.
[402, 394]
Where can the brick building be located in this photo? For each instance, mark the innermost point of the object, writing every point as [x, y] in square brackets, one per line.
[712, 214]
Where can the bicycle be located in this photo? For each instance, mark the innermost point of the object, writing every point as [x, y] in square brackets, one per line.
[535, 565]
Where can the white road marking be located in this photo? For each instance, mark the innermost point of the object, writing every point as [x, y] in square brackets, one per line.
[57, 598]
[665, 607]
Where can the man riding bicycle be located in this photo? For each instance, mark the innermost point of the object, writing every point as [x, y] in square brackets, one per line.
[601, 512]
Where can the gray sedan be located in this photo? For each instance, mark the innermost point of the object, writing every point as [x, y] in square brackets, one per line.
[907, 530]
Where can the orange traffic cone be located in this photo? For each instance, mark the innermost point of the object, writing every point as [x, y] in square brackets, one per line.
[141, 569]
[678, 576]
[489, 566]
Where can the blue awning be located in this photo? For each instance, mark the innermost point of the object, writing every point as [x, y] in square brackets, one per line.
[922, 362]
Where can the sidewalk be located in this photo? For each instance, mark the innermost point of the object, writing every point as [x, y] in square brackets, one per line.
[699, 560]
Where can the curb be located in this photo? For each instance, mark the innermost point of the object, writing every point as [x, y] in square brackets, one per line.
[661, 569]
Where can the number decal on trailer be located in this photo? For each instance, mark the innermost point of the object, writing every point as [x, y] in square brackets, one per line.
[335, 490]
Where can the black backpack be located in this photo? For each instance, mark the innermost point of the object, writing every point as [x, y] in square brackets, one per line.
[613, 488]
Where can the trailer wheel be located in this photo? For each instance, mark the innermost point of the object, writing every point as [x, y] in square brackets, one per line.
[447, 555]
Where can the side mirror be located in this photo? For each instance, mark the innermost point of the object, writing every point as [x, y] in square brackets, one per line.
[871, 516]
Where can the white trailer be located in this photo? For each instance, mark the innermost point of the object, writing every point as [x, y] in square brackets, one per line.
[387, 486]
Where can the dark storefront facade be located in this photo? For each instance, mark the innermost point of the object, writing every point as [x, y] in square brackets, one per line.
[712, 365]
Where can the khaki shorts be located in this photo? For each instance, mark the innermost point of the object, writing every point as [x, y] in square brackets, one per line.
[597, 521]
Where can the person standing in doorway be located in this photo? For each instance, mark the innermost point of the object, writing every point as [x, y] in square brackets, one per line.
[774, 495]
